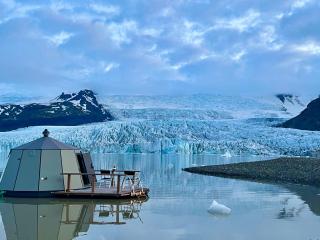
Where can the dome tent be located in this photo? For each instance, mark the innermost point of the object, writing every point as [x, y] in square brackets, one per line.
[35, 168]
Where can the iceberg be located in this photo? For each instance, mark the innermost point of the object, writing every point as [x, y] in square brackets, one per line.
[219, 209]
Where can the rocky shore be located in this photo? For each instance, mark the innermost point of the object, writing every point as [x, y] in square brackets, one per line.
[304, 171]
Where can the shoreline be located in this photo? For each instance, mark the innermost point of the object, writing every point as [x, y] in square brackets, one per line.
[296, 170]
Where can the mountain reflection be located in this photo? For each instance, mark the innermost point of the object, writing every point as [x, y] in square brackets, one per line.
[52, 219]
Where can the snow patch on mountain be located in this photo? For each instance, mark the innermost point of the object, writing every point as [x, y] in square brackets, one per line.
[204, 106]
[292, 104]
[66, 109]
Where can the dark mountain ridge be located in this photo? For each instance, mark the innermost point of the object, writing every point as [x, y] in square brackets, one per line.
[308, 119]
[65, 110]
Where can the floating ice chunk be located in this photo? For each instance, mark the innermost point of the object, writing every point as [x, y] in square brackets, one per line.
[218, 209]
[227, 154]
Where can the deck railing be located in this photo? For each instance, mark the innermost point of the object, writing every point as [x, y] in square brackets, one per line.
[115, 174]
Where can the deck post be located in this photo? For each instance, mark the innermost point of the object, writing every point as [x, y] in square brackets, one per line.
[67, 214]
[118, 184]
[92, 184]
[68, 182]
[117, 214]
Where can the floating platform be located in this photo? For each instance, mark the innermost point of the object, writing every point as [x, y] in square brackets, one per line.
[113, 184]
[105, 193]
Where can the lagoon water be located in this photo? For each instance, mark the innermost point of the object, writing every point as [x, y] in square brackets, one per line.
[177, 207]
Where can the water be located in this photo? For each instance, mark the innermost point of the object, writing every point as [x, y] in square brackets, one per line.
[177, 207]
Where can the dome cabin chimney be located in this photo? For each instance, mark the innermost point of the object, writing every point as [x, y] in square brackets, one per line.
[46, 133]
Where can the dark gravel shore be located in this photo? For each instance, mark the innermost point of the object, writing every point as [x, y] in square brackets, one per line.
[304, 171]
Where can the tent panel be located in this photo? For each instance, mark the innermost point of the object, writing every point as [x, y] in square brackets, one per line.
[9, 220]
[11, 170]
[28, 175]
[50, 171]
[45, 143]
[88, 214]
[49, 220]
[71, 219]
[70, 165]
[26, 221]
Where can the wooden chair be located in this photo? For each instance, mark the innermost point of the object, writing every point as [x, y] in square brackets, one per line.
[131, 178]
[106, 179]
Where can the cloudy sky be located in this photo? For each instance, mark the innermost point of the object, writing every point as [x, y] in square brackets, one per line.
[160, 46]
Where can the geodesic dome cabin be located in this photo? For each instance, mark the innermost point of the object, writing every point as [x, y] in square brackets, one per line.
[35, 169]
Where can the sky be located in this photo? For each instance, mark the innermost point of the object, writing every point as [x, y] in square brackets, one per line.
[154, 47]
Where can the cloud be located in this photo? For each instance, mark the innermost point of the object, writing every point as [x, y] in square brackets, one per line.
[268, 38]
[240, 24]
[60, 38]
[162, 46]
[6, 88]
[15, 10]
[192, 33]
[308, 48]
[238, 55]
[151, 32]
[58, 6]
[9, 4]
[110, 66]
[119, 32]
[300, 3]
[105, 9]
[82, 73]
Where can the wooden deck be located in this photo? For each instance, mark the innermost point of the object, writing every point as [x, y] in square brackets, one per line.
[114, 186]
[107, 193]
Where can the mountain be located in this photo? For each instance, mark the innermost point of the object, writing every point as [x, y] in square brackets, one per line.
[291, 104]
[308, 119]
[65, 110]
[203, 106]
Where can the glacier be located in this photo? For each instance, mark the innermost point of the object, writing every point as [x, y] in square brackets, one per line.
[186, 124]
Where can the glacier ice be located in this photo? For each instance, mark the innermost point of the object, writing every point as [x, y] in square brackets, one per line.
[180, 136]
[202, 124]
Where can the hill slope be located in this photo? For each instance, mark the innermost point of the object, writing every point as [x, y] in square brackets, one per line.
[308, 119]
[66, 109]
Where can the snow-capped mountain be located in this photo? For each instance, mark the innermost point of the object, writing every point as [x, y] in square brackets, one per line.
[308, 119]
[292, 104]
[205, 107]
[66, 109]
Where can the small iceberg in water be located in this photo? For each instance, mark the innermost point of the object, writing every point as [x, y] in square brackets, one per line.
[170, 166]
[219, 209]
[227, 154]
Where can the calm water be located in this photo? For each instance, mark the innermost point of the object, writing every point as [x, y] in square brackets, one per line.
[177, 207]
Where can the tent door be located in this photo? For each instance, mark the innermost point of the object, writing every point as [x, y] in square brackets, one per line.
[83, 169]
[88, 162]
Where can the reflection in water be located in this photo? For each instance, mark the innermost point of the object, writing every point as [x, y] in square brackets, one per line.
[290, 211]
[177, 208]
[52, 219]
[162, 173]
[309, 195]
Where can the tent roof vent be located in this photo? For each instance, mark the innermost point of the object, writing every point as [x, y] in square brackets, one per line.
[46, 133]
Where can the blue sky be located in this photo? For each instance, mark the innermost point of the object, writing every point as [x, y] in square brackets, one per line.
[160, 46]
